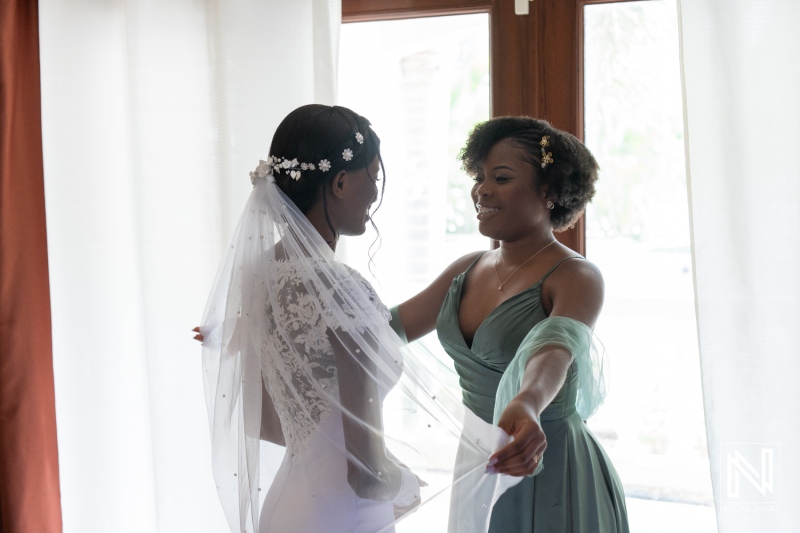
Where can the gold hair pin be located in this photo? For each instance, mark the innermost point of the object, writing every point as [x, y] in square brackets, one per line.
[547, 157]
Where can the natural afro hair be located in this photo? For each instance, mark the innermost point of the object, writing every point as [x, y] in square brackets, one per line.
[569, 179]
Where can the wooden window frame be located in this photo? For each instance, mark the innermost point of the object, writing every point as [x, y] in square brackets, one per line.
[536, 59]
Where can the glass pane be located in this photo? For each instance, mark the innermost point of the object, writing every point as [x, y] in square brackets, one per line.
[423, 83]
[638, 234]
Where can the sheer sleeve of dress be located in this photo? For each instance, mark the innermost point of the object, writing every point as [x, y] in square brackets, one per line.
[300, 352]
[588, 357]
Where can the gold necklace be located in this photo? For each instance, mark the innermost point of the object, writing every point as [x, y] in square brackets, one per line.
[500, 288]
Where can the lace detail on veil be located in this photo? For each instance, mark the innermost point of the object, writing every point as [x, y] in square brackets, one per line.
[299, 321]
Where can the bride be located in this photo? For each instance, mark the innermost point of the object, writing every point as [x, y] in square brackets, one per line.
[298, 352]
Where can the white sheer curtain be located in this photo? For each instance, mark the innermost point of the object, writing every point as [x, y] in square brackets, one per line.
[742, 94]
[153, 114]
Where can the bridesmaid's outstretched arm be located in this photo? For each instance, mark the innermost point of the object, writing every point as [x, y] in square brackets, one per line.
[574, 291]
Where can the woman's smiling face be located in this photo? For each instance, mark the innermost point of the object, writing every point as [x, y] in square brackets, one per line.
[505, 194]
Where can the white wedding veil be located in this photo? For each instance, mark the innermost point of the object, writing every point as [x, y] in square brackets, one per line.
[300, 364]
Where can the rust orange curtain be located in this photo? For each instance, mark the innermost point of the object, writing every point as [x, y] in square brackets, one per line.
[29, 486]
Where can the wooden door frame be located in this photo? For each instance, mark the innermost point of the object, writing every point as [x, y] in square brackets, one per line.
[536, 59]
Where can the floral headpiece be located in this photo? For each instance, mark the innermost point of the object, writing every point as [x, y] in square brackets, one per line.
[547, 157]
[274, 165]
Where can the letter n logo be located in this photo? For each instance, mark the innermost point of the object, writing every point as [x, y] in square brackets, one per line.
[749, 472]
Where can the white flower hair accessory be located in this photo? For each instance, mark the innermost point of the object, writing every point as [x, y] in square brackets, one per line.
[293, 168]
[262, 170]
[274, 165]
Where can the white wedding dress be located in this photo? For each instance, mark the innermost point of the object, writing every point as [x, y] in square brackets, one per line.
[310, 492]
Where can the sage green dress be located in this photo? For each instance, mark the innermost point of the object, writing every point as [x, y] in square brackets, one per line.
[577, 490]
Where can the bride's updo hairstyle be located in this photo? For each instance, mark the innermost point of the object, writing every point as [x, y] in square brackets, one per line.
[315, 133]
[569, 171]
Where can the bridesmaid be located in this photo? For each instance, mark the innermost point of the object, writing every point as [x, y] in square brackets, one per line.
[517, 322]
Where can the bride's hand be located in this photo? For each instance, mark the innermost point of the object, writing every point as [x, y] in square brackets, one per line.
[400, 511]
[198, 337]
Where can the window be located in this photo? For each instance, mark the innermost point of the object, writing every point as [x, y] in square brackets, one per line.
[426, 85]
[637, 232]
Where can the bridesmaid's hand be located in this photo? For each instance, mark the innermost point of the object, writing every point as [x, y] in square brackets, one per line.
[521, 456]
[198, 337]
